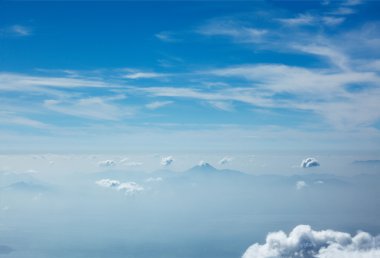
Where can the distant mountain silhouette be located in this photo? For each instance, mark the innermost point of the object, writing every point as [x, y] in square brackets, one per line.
[372, 162]
[204, 169]
[27, 187]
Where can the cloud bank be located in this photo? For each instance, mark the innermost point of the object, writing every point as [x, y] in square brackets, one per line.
[305, 242]
[309, 162]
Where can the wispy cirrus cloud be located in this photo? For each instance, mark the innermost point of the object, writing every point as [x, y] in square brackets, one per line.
[16, 30]
[92, 108]
[233, 29]
[167, 36]
[23, 82]
[158, 104]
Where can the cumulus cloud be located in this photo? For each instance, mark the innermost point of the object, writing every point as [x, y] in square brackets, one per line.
[130, 187]
[107, 163]
[126, 187]
[309, 162]
[225, 160]
[167, 161]
[303, 241]
[300, 185]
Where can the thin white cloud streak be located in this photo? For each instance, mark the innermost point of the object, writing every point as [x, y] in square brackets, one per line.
[91, 108]
[302, 19]
[167, 36]
[21, 82]
[134, 74]
[16, 30]
[14, 119]
[222, 105]
[20, 30]
[158, 104]
[334, 55]
[230, 28]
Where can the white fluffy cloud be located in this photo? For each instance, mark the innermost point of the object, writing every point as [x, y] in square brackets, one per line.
[304, 242]
[309, 162]
[126, 187]
[167, 161]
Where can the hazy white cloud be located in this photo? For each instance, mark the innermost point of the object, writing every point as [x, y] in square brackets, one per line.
[167, 36]
[158, 104]
[108, 182]
[343, 11]
[10, 118]
[334, 55]
[225, 160]
[136, 74]
[27, 83]
[130, 187]
[167, 161]
[232, 29]
[154, 179]
[16, 30]
[302, 19]
[107, 163]
[309, 162]
[303, 241]
[132, 164]
[333, 21]
[126, 187]
[100, 108]
[300, 185]
[222, 105]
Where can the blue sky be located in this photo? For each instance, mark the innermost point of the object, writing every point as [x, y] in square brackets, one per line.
[252, 75]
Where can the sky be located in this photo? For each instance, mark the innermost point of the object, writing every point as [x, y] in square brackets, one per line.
[183, 129]
[176, 76]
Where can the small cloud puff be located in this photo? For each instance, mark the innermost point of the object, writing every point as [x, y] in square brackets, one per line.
[107, 163]
[300, 185]
[108, 183]
[127, 187]
[225, 160]
[167, 161]
[303, 241]
[309, 162]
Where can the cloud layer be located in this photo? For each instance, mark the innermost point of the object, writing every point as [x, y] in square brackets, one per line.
[304, 242]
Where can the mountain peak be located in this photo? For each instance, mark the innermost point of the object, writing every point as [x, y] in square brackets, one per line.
[204, 164]
[202, 168]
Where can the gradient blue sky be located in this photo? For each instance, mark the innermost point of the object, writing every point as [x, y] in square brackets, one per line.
[182, 75]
